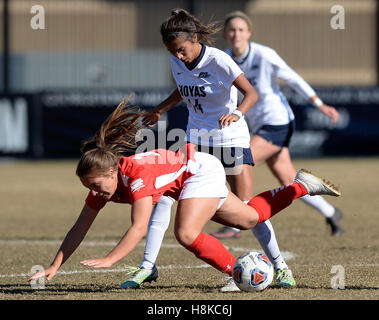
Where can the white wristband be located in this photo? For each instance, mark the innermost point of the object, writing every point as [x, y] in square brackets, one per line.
[237, 113]
[318, 102]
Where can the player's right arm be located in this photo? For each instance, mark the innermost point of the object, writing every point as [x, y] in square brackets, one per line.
[141, 212]
[72, 240]
[153, 116]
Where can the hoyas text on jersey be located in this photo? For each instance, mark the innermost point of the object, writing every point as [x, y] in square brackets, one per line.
[193, 91]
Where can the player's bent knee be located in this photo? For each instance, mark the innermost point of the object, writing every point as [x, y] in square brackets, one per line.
[247, 225]
[184, 236]
[250, 221]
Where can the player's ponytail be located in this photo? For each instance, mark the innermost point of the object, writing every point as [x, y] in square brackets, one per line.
[183, 23]
[115, 138]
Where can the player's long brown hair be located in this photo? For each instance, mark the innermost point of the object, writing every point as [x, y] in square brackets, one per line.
[115, 138]
[182, 22]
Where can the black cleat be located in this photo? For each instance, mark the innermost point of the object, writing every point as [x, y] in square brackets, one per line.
[334, 222]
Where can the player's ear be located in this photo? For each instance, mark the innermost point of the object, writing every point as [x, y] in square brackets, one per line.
[195, 38]
[112, 171]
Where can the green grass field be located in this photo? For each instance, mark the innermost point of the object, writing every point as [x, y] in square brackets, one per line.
[41, 200]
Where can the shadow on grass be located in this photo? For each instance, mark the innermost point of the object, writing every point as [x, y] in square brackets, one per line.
[326, 288]
[64, 289]
[201, 287]
[55, 289]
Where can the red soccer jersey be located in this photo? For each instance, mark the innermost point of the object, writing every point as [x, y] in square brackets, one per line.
[153, 173]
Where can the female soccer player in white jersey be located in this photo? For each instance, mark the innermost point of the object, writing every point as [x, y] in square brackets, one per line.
[195, 179]
[271, 121]
[207, 80]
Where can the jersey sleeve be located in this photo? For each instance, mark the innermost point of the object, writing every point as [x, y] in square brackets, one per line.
[287, 74]
[228, 70]
[142, 186]
[95, 203]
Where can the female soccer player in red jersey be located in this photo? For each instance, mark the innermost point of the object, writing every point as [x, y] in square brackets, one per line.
[195, 179]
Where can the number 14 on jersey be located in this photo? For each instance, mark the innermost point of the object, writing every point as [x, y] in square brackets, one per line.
[196, 106]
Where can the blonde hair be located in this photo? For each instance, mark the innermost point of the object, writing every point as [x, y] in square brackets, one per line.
[114, 139]
[238, 14]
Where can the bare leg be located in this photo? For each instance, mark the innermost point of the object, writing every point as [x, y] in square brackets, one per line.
[191, 216]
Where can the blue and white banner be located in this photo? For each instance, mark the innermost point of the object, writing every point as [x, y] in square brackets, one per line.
[52, 124]
[355, 133]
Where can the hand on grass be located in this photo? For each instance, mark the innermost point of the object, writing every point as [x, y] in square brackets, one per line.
[49, 273]
[97, 263]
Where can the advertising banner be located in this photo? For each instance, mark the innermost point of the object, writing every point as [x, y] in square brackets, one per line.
[53, 124]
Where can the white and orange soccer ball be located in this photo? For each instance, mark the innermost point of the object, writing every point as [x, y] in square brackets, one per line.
[253, 271]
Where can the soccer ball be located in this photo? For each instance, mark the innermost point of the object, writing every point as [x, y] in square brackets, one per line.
[253, 271]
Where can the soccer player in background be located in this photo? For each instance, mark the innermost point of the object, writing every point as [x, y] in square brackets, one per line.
[271, 121]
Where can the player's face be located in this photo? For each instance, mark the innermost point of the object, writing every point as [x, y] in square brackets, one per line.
[103, 185]
[185, 50]
[237, 33]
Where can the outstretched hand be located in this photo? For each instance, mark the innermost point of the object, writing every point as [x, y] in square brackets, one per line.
[97, 263]
[150, 118]
[49, 273]
[329, 111]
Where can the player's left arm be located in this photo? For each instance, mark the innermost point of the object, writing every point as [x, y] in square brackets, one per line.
[250, 97]
[296, 82]
[329, 111]
[141, 212]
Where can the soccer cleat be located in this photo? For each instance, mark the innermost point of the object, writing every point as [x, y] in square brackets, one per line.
[230, 286]
[284, 278]
[226, 233]
[334, 222]
[315, 185]
[139, 276]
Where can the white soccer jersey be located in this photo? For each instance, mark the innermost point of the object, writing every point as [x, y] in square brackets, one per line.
[209, 93]
[262, 65]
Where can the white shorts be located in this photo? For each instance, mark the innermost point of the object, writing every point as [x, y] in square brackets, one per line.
[209, 180]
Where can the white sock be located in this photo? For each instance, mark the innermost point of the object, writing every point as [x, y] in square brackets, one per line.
[264, 232]
[158, 224]
[320, 204]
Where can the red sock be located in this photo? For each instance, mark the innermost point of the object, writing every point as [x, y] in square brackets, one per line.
[211, 251]
[271, 202]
